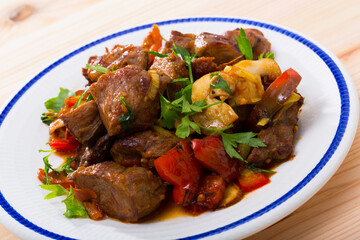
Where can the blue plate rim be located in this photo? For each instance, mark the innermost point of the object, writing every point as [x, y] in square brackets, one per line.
[343, 121]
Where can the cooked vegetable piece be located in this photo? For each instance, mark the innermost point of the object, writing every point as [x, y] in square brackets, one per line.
[249, 180]
[153, 42]
[232, 195]
[274, 97]
[211, 191]
[179, 167]
[211, 154]
[68, 144]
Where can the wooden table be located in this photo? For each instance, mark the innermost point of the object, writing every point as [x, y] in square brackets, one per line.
[35, 33]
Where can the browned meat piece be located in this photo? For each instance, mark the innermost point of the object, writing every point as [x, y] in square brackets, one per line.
[127, 194]
[183, 40]
[142, 148]
[279, 138]
[118, 57]
[203, 65]
[170, 68]
[258, 42]
[217, 46]
[134, 84]
[84, 122]
[90, 154]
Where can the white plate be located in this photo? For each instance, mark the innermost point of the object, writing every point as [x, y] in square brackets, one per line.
[326, 130]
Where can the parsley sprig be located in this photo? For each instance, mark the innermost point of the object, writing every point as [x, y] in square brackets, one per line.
[54, 105]
[244, 45]
[267, 55]
[97, 68]
[180, 110]
[185, 55]
[231, 140]
[47, 166]
[74, 208]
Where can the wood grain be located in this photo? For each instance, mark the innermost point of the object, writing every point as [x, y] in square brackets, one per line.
[35, 33]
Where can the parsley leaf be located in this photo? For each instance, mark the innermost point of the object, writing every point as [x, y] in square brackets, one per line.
[97, 68]
[184, 81]
[159, 54]
[57, 190]
[244, 45]
[65, 166]
[57, 103]
[267, 55]
[185, 55]
[168, 114]
[48, 166]
[80, 98]
[255, 169]
[220, 84]
[48, 117]
[230, 140]
[183, 129]
[125, 119]
[74, 208]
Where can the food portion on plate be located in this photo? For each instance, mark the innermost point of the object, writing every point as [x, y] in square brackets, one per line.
[199, 120]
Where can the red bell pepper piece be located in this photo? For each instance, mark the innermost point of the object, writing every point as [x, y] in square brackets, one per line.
[211, 154]
[249, 180]
[68, 144]
[153, 42]
[274, 97]
[179, 167]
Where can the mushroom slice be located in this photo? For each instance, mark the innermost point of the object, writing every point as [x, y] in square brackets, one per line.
[218, 116]
[267, 69]
[248, 88]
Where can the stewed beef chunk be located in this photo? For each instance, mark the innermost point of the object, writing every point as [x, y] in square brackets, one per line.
[258, 42]
[203, 65]
[217, 46]
[278, 138]
[120, 56]
[127, 194]
[84, 122]
[135, 86]
[90, 154]
[170, 68]
[141, 149]
[179, 39]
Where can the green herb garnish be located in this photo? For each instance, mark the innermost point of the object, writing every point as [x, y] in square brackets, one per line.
[74, 208]
[185, 55]
[183, 129]
[220, 84]
[184, 81]
[54, 105]
[244, 45]
[267, 55]
[160, 55]
[47, 166]
[56, 191]
[255, 169]
[80, 98]
[97, 68]
[125, 119]
[65, 166]
[230, 140]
